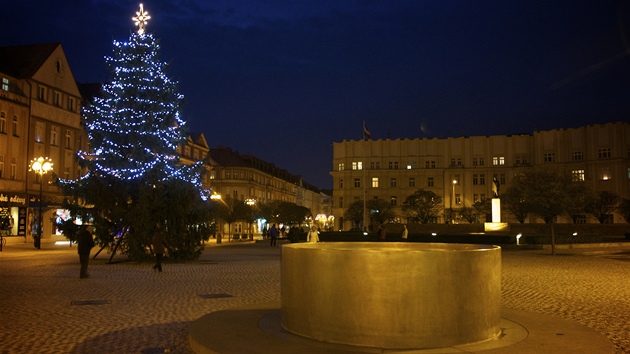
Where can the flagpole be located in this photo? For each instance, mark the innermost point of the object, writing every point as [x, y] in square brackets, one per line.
[366, 135]
[364, 187]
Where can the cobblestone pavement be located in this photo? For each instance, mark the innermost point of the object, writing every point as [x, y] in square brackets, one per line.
[126, 307]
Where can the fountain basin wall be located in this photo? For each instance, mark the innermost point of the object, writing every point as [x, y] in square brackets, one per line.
[391, 295]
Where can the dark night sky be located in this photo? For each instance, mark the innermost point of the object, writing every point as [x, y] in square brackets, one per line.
[283, 80]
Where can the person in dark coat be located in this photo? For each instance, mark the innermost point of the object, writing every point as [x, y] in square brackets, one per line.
[381, 234]
[86, 242]
[273, 233]
[158, 247]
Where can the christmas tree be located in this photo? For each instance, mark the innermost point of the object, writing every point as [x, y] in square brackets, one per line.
[134, 180]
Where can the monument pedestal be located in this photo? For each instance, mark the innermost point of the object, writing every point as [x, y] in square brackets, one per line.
[496, 224]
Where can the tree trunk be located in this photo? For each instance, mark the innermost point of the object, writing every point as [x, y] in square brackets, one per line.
[553, 239]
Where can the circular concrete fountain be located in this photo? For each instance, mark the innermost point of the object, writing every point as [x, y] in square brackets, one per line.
[391, 295]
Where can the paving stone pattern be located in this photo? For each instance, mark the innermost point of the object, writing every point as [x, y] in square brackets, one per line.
[126, 307]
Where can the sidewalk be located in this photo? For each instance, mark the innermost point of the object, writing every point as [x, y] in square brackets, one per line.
[125, 307]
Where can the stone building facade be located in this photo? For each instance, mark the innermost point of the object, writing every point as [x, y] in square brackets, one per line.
[461, 170]
[249, 179]
[40, 115]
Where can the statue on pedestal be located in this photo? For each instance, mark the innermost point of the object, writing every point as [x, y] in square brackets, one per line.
[495, 187]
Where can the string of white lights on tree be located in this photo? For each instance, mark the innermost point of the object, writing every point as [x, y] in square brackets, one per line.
[134, 127]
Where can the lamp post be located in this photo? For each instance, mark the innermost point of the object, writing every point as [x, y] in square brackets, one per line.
[452, 198]
[217, 198]
[41, 166]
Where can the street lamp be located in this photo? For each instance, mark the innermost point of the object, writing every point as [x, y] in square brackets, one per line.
[41, 166]
[452, 198]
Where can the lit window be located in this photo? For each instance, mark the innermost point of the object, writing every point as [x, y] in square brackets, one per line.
[5, 84]
[341, 167]
[374, 182]
[3, 123]
[357, 165]
[578, 175]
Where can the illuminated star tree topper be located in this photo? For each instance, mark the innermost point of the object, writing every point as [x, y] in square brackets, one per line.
[141, 19]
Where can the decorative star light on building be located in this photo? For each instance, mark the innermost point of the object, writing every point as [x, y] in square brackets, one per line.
[141, 19]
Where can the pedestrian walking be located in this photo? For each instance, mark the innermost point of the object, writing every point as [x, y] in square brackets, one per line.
[86, 242]
[273, 234]
[405, 233]
[158, 247]
[381, 234]
[313, 235]
[37, 234]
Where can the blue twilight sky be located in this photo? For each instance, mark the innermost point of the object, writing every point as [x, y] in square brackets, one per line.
[284, 79]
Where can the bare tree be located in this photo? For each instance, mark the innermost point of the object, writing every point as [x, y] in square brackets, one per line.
[423, 205]
[603, 205]
[547, 193]
[355, 213]
[514, 201]
[624, 209]
[483, 207]
[469, 214]
[380, 211]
